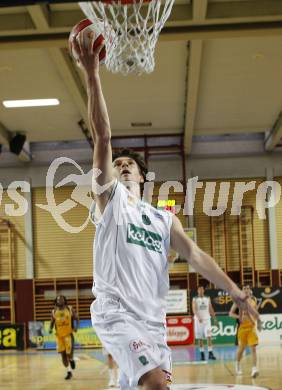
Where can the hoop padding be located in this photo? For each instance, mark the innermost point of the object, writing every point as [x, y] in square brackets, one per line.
[131, 29]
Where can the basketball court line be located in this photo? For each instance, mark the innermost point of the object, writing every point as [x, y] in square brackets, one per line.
[190, 363]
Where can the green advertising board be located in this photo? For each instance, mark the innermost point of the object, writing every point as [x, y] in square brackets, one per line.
[225, 331]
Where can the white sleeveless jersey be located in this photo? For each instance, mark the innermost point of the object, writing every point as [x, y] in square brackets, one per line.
[202, 307]
[130, 254]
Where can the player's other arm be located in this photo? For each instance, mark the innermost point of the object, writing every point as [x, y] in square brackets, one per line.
[75, 319]
[205, 264]
[99, 121]
[52, 323]
[232, 312]
[211, 311]
[194, 309]
[259, 321]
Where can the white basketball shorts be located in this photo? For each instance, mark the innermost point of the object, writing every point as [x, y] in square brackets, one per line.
[136, 345]
[202, 329]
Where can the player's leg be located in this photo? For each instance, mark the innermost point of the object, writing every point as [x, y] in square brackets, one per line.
[242, 343]
[210, 349]
[71, 355]
[129, 341]
[253, 342]
[255, 371]
[125, 383]
[201, 348]
[161, 377]
[154, 380]
[239, 355]
[64, 359]
[113, 371]
[199, 337]
[69, 341]
[208, 333]
[65, 362]
[61, 348]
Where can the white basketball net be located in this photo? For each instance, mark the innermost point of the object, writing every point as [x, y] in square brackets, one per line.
[130, 30]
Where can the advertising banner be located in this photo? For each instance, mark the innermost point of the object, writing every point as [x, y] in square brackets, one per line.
[271, 329]
[269, 300]
[176, 301]
[12, 336]
[40, 338]
[180, 330]
[225, 331]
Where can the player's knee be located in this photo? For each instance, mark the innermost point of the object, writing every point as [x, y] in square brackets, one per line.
[154, 380]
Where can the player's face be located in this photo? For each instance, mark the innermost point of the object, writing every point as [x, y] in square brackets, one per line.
[60, 300]
[126, 169]
[247, 290]
[201, 291]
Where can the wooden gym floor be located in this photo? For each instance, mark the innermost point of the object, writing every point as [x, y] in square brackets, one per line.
[42, 370]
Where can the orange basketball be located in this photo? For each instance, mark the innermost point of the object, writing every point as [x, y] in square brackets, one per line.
[86, 27]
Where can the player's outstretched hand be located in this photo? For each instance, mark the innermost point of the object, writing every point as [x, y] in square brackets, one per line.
[244, 303]
[88, 57]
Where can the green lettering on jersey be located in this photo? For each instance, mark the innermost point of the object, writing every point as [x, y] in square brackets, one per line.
[143, 237]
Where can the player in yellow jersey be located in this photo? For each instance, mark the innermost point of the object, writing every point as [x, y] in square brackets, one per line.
[247, 335]
[63, 318]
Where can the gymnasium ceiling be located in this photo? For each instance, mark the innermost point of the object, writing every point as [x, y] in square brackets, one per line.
[218, 74]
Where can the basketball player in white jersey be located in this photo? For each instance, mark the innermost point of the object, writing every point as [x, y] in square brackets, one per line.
[131, 245]
[203, 311]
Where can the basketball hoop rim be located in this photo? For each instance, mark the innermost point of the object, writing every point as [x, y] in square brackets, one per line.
[122, 2]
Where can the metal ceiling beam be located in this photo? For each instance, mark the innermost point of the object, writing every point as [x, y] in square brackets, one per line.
[201, 32]
[193, 81]
[220, 31]
[244, 10]
[193, 76]
[40, 16]
[199, 10]
[69, 74]
[275, 135]
[181, 15]
[229, 130]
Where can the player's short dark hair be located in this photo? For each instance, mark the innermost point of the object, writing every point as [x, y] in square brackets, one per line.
[56, 299]
[135, 156]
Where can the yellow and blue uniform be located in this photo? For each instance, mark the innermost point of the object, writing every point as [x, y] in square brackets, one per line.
[247, 334]
[63, 326]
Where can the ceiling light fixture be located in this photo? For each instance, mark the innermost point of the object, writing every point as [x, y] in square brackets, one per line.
[30, 103]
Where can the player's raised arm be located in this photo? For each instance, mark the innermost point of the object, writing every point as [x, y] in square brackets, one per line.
[206, 266]
[99, 121]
